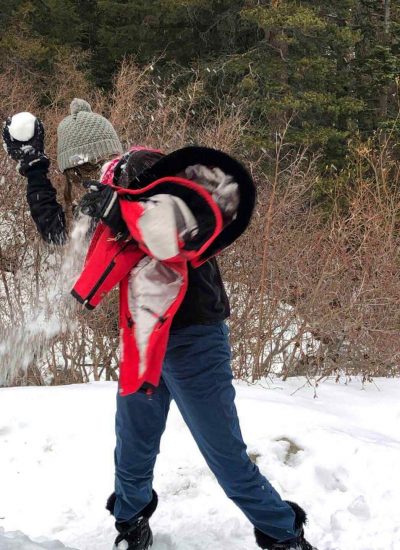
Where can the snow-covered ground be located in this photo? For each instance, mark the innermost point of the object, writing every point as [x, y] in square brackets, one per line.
[338, 455]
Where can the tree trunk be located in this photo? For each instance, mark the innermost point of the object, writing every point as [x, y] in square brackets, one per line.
[385, 40]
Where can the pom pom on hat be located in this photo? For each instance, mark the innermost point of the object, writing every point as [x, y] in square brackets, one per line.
[78, 105]
[85, 137]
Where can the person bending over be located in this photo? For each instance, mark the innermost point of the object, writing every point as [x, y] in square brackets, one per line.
[196, 370]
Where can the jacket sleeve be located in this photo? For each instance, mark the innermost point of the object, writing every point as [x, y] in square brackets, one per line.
[46, 212]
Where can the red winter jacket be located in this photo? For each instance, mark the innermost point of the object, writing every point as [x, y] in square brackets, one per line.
[151, 290]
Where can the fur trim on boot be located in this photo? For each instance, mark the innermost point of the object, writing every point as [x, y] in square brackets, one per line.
[268, 543]
[147, 512]
[111, 503]
[301, 517]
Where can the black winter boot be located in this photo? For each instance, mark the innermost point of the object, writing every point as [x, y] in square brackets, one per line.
[136, 533]
[300, 543]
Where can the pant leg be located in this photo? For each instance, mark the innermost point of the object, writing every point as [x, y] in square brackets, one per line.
[198, 375]
[139, 424]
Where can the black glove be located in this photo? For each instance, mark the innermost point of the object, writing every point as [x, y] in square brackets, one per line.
[26, 153]
[102, 203]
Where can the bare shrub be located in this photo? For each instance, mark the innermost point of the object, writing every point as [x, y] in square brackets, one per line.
[317, 296]
[312, 293]
[151, 112]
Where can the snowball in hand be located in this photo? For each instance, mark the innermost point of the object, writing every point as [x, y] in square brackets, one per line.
[22, 127]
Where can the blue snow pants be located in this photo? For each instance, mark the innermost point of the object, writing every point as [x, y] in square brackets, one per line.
[197, 375]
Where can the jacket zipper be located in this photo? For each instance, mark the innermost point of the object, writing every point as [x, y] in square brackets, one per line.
[105, 274]
[96, 287]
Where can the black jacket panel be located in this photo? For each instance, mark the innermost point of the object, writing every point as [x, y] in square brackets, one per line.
[205, 301]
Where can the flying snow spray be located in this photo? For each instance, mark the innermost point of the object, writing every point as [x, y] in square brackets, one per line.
[53, 313]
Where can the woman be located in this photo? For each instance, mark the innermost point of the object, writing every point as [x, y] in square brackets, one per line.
[196, 369]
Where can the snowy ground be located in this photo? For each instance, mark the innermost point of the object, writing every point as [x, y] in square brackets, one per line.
[337, 455]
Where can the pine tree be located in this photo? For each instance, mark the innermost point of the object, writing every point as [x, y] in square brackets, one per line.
[378, 62]
[331, 67]
[301, 69]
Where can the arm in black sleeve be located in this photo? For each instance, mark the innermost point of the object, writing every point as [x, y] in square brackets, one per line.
[46, 212]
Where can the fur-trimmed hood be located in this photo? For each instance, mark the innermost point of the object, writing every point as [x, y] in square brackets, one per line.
[178, 161]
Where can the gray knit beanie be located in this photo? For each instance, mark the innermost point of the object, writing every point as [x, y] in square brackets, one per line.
[84, 137]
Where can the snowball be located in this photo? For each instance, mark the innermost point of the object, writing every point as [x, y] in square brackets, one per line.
[22, 127]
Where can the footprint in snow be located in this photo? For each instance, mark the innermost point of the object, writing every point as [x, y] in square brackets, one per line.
[332, 480]
[360, 508]
[290, 451]
[48, 447]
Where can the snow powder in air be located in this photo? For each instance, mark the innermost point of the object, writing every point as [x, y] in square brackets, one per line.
[52, 314]
[22, 126]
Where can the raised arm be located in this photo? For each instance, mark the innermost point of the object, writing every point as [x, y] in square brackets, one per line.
[46, 212]
[23, 136]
